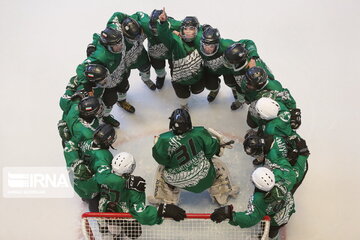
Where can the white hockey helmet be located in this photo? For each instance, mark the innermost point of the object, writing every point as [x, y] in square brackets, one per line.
[123, 163]
[263, 178]
[267, 108]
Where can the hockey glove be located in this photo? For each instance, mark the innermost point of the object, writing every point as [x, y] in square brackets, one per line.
[295, 118]
[136, 183]
[64, 130]
[222, 213]
[90, 49]
[292, 155]
[171, 211]
[302, 147]
[81, 171]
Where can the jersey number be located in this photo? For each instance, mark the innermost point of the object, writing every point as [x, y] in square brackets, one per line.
[182, 153]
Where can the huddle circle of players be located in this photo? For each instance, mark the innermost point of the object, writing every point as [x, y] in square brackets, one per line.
[188, 156]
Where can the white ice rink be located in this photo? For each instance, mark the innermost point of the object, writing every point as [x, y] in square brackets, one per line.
[312, 47]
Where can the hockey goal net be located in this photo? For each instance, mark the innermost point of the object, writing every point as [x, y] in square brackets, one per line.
[116, 226]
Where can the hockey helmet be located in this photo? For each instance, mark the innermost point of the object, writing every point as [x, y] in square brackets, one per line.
[180, 121]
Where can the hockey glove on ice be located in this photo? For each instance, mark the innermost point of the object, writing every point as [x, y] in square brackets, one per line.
[222, 213]
[171, 211]
[81, 170]
[136, 183]
[295, 118]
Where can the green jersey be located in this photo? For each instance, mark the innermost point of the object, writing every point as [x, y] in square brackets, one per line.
[187, 62]
[187, 158]
[279, 211]
[215, 63]
[114, 62]
[136, 55]
[116, 198]
[156, 48]
[72, 87]
[80, 131]
[272, 89]
[279, 126]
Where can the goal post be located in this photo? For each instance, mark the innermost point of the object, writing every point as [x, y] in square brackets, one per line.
[106, 226]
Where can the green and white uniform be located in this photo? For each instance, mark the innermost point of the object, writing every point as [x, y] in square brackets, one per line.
[114, 62]
[116, 198]
[187, 62]
[187, 158]
[136, 55]
[75, 84]
[273, 89]
[215, 63]
[279, 211]
[279, 126]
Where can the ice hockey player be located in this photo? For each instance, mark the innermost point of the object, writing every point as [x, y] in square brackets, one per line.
[276, 149]
[117, 198]
[186, 158]
[271, 117]
[255, 84]
[269, 198]
[110, 51]
[158, 52]
[239, 59]
[136, 55]
[96, 76]
[186, 60]
[88, 162]
[211, 48]
[81, 121]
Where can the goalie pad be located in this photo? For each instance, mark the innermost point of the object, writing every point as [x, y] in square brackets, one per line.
[222, 188]
[223, 140]
[163, 193]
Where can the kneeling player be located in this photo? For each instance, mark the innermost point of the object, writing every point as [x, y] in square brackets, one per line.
[130, 198]
[269, 198]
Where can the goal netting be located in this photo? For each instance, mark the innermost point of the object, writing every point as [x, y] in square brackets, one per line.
[106, 226]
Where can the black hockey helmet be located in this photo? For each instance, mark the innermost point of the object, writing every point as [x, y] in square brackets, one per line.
[180, 121]
[210, 36]
[89, 107]
[189, 21]
[104, 136]
[96, 72]
[153, 21]
[256, 78]
[110, 36]
[254, 145]
[131, 29]
[236, 56]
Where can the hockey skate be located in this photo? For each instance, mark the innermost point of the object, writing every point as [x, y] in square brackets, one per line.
[111, 120]
[126, 106]
[212, 95]
[150, 84]
[236, 105]
[160, 82]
